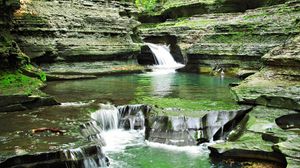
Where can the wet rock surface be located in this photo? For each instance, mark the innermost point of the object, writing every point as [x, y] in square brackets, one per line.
[184, 130]
[89, 156]
[274, 86]
[24, 102]
[259, 137]
[89, 70]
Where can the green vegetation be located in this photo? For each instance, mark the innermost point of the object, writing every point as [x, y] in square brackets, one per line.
[180, 22]
[36, 72]
[175, 3]
[17, 83]
[158, 6]
[177, 106]
[146, 5]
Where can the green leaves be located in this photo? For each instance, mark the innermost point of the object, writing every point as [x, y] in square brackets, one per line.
[147, 5]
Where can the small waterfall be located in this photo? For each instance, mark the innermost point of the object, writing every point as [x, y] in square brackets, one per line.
[91, 157]
[132, 116]
[163, 57]
[108, 124]
[107, 117]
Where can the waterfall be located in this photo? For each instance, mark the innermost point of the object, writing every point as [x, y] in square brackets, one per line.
[163, 58]
[108, 124]
[132, 116]
[90, 157]
[107, 116]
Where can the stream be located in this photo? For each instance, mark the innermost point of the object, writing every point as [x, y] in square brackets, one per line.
[81, 98]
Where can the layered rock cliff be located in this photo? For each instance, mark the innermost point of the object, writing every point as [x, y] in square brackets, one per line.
[231, 41]
[75, 30]
[61, 31]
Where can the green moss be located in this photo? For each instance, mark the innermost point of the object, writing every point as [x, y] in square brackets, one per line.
[17, 83]
[195, 23]
[205, 70]
[248, 141]
[175, 3]
[36, 71]
[177, 106]
[180, 22]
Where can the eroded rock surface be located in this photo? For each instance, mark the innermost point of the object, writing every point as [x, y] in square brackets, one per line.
[259, 137]
[277, 85]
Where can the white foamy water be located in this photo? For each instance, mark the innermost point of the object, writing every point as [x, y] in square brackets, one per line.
[163, 58]
[118, 142]
[107, 116]
[118, 139]
[77, 104]
[193, 150]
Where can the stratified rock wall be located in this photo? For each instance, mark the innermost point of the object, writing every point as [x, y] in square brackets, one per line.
[75, 30]
[229, 41]
[277, 84]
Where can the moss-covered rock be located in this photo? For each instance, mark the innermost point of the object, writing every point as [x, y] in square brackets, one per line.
[258, 138]
[11, 56]
[274, 86]
[161, 10]
[20, 92]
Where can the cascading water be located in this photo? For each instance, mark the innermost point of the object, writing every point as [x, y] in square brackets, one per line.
[108, 124]
[107, 117]
[163, 58]
[84, 157]
[117, 129]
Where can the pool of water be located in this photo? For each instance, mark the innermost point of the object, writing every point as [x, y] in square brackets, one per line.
[128, 149]
[80, 98]
[130, 88]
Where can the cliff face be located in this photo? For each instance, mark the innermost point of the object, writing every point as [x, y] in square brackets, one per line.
[75, 30]
[163, 10]
[263, 42]
[231, 41]
[277, 84]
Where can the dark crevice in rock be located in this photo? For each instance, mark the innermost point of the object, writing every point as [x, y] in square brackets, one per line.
[246, 155]
[223, 132]
[288, 121]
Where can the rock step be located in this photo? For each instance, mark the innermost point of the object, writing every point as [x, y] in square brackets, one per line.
[254, 49]
[80, 157]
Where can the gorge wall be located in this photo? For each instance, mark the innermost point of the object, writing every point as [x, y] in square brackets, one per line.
[239, 37]
[82, 31]
[231, 41]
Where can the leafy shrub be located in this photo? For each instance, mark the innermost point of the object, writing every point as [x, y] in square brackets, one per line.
[147, 5]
